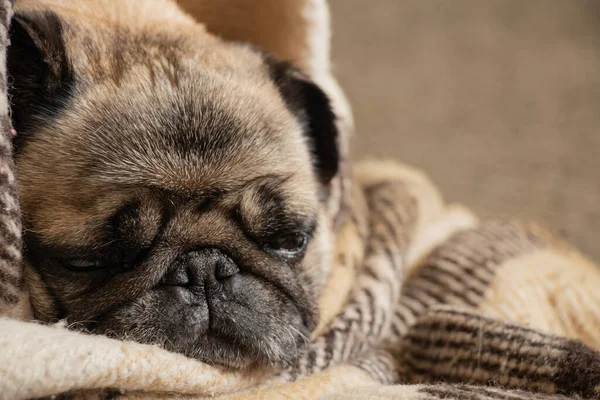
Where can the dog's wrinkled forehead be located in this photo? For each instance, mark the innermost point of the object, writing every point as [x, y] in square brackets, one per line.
[156, 104]
[166, 124]
[181, 138]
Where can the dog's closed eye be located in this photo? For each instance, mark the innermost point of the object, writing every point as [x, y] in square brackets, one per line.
[82, 264]
[287, 245]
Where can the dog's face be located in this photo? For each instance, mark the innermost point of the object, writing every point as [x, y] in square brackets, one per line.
[172, 188]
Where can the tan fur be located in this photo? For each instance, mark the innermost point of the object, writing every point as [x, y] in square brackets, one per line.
[146, 88]
[295, 30]
[97, 22]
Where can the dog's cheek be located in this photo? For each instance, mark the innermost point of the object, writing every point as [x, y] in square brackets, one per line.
[43, 304]
[317, 262]
[266, 319]
[140, 321]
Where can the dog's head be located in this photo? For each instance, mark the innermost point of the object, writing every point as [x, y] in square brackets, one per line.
[172, 184]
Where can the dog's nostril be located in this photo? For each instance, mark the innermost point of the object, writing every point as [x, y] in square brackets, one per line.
[177, 277]
[225, 269]
[200, 268]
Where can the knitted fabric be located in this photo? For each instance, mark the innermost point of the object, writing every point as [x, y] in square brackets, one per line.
[13, 301]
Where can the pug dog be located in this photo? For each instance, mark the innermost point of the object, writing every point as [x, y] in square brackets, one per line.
[173, 185]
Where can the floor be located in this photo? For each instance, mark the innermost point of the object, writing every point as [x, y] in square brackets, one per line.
[498, 100]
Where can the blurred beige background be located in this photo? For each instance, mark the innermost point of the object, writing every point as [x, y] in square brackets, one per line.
[498, 100]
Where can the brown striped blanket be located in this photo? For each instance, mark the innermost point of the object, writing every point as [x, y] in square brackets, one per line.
[424, 301]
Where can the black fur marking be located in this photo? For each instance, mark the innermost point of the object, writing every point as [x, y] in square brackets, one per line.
[313, 108]
[40, 73]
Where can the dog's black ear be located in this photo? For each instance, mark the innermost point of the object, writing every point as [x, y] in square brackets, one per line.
[39, 71]
[313, 109]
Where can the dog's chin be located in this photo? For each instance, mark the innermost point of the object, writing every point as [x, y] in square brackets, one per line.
[267, 331]
[228, 352]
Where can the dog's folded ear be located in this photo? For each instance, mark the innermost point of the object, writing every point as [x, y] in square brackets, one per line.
[313, 109]
[38, 67]
[297, 31]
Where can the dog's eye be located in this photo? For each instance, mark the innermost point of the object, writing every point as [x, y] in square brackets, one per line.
[82, 264]
[290, 244]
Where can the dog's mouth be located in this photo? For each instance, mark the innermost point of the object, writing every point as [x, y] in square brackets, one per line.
[220, 331]
[224, 316]
[206, 306]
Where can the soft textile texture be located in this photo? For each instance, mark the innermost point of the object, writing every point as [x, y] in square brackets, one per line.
[449, 321]
[12, 295]
[421, 293]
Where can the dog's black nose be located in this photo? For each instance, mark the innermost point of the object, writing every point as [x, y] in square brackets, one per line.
[200, 268]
